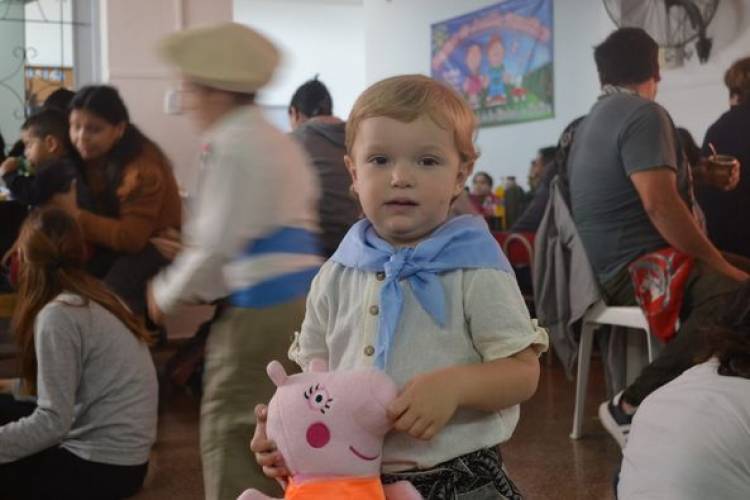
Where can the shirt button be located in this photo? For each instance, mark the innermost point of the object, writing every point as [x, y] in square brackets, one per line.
[369, 350]
[380, 276]
[374, 310]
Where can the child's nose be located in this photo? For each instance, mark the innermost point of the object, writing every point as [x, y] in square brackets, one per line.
[401, 175]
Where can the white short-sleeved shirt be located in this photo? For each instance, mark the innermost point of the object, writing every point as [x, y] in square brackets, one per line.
[690, 440]
[487, 320]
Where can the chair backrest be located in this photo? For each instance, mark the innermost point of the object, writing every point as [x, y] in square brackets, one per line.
[520, 239]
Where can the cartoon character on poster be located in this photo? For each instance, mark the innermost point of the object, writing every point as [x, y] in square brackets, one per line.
[500, 59]
[496, 91]
[475, 82]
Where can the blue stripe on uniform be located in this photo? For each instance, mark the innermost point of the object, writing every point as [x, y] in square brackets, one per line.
[276, 290]
[292, 240]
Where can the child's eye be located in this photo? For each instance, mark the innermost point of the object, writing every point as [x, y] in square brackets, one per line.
[429, 161]
[377, 160]
[318, 399]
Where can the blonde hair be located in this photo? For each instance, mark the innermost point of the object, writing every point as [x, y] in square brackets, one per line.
[737, 80]
[407, 97]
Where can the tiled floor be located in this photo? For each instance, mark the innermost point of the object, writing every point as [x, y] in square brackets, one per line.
[540, 457]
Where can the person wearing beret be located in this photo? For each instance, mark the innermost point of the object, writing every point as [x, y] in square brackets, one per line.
[251, 242]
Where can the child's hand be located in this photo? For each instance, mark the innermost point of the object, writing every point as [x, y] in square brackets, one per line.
[265, 450]
[425, 405]
[8, 166]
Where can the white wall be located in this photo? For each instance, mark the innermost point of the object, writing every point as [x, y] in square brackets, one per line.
[397, 40]
[131, 31]
[695, 94]
[316, 36]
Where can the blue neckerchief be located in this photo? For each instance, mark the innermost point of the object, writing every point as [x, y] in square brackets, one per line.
[463, 242]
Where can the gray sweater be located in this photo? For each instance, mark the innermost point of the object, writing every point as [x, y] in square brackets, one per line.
[96, 386]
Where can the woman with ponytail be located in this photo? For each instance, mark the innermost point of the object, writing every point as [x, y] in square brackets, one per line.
[87, 370]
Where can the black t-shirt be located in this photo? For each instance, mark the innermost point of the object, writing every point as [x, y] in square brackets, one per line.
[727, 212]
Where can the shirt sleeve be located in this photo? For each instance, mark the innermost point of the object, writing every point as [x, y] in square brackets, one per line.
[310, 342]
[142, 196]
[647, 140]
[236, 204]
[497, 316]
[59, 360]
[21, 187]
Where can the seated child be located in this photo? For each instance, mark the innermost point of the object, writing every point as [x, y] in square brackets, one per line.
[45, 137]
[430, 300]
[53, 185]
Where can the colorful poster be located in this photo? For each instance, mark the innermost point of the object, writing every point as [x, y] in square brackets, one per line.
[500, 59]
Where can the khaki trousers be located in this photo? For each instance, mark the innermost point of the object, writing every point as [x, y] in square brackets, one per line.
[241, 344]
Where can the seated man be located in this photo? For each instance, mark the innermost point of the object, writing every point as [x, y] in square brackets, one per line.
[631, 195]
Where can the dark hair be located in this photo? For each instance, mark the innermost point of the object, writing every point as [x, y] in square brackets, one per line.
[2, 148]
[60, 100]
[627, 56]
[105, 102]
[737, 80]
[547, 154]
[487, 177]
[729, 338]
[312, 99]
[52, 177]
[49, 122]
[690, 148]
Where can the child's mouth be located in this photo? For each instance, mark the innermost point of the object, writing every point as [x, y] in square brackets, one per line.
[399, 202]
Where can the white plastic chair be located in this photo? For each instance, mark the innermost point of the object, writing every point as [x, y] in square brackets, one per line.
[600, 314]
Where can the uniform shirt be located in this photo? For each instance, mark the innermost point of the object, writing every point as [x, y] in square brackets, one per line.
[255, 180]
[486, 320]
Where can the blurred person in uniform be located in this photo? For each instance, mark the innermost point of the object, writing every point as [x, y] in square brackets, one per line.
[252, 242]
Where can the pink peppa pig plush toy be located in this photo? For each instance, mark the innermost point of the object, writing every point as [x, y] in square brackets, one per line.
[329, 427]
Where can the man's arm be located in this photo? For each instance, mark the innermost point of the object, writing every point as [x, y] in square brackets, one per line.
[657, 189]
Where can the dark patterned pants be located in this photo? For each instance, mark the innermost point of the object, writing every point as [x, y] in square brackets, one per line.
[476, 476]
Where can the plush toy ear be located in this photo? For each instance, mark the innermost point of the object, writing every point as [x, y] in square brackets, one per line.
[276, 373]
[317, 365]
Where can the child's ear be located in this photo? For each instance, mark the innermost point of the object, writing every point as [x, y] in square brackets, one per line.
[464, 171]
[52, 144]
[352, 171]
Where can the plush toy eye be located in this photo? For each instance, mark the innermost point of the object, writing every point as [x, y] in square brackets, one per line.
[318, 399]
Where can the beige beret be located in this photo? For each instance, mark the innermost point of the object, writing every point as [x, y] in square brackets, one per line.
[228, 56]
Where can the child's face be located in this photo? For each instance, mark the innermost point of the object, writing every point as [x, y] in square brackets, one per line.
[474, 58]
[482, 186]
[496, 53]
[37, 149]
[405, 175]
[92, 136]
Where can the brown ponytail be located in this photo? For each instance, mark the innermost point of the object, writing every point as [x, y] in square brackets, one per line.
[52, 256]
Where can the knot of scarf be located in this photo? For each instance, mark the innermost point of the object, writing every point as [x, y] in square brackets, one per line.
[463, 242]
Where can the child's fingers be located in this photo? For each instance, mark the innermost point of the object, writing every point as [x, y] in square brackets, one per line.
[406, 421]
[269, 459]
[261, 413]
[398, 406]
[429, 433]
[276, 472]
[419, 427]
